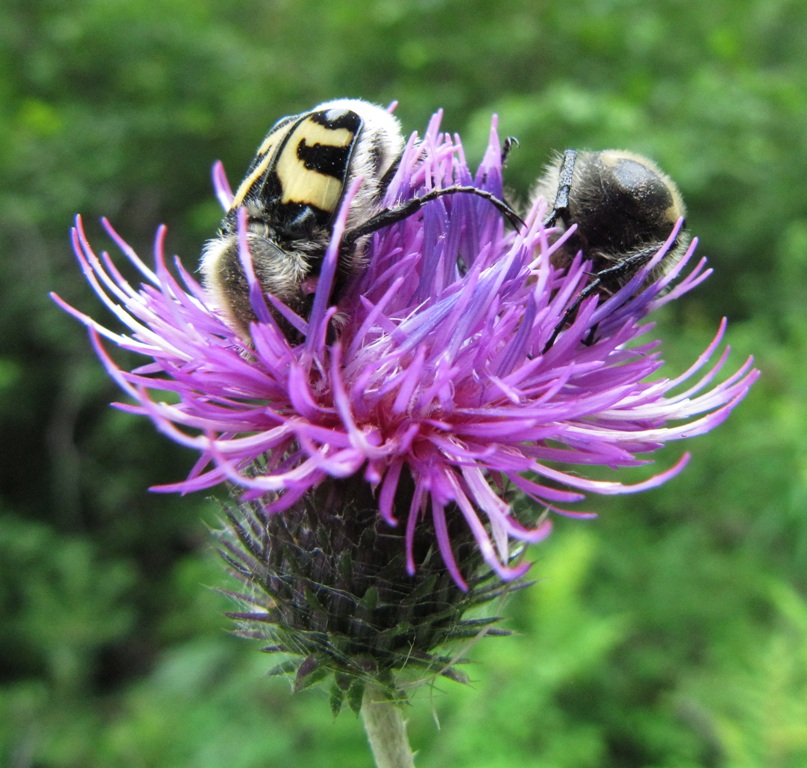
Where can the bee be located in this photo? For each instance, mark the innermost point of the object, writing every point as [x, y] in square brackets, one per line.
[624, 208]
[292, 193]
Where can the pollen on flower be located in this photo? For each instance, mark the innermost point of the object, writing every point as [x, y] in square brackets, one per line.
[435, 391]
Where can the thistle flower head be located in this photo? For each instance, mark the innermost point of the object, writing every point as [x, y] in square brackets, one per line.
[422, 397]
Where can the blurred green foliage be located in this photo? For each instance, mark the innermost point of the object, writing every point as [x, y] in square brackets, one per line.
[671, 633]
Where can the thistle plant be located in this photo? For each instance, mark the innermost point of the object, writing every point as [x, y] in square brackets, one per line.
[374, 463]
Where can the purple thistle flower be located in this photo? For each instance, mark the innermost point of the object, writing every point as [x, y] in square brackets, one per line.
[431, 369]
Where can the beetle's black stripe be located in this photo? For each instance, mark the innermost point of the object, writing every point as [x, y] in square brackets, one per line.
[322, 156]
[254, 184]
[325, 159]
[337, 119]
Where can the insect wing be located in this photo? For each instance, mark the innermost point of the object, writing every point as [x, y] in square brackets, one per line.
[313, 166]
[264, 161]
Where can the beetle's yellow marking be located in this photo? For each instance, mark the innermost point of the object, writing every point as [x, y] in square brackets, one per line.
[266, 154]
[300, 184]
[306, 185]
[271, 139]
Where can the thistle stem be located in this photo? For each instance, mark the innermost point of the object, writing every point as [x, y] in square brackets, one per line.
[386, 730]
